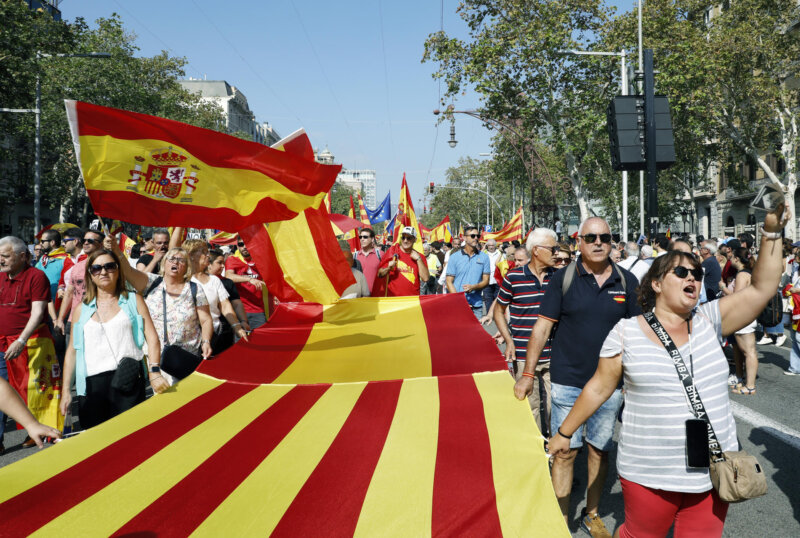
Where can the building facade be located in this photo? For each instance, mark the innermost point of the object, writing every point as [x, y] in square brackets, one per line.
[362, 181]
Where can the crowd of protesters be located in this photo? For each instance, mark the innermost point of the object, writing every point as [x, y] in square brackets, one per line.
[567, 310]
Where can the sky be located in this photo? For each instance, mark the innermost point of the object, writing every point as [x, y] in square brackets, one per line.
[349, 72]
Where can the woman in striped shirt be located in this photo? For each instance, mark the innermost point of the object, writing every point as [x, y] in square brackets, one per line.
[658, 485]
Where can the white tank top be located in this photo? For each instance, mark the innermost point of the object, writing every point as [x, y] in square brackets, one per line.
[97, 351]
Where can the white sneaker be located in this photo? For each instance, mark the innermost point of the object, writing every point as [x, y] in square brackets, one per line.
[764, 340]
[780, 340]
[733, 380]
[789, 372]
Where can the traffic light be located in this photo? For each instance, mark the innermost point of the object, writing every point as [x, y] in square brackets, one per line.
[430, 188]
[626, 131]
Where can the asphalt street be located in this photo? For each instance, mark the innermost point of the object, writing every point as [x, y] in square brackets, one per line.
[769, 428]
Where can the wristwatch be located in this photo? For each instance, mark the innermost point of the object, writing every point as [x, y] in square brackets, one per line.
[155, 369]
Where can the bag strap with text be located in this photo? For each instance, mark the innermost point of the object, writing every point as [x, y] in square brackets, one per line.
[695, 404]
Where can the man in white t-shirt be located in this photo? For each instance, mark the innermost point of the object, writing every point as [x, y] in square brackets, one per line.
[636, 263]
[490, 291]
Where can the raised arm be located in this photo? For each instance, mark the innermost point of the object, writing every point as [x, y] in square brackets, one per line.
[742, 307]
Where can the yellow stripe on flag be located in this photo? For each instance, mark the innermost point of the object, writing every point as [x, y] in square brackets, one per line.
[104, 157]
[37, 468]
[258, 504]
[404, 474]
[372, 327]
[297, 255]
[515, 468]
[104, 512]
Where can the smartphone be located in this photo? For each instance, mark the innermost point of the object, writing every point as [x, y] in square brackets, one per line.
[697, 443]
[768, 198]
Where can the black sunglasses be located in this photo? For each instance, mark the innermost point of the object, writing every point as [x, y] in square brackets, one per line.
[682, 272]
[472, 235]
[97, 268]
[560, 259]
[240, 243]
[365, 237]
[90, 241]
[591, 238]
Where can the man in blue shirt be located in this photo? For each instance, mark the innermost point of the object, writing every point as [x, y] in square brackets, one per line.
[468, 271]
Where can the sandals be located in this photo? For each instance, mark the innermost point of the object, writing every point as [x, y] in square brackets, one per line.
[747, 391]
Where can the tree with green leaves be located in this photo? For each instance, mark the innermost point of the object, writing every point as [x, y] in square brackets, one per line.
[340, 198]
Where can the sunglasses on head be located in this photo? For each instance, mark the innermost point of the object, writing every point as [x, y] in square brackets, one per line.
[90, 241]
[97, 268]
[591, 238]
[682, 272]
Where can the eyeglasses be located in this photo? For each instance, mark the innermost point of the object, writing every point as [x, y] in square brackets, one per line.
[240, 243]
[682, 272]
[97, 268]
[68, 239]
[178, 261]
[90, 241]
[473, 236]
[45, 240]
[561, 259]
[552, 250]
[365, 237]
[591, 238]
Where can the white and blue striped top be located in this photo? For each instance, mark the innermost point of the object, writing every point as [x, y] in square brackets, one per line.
[652, 447]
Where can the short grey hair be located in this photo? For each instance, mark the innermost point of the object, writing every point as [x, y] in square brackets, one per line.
[711, 246]
[632, 249]
[537, 236]
[646, 252]
[17, 245]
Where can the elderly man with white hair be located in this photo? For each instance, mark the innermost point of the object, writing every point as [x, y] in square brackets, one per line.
[521, 292]
[636, 263]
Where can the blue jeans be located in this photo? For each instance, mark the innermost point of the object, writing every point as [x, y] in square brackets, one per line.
[4, 375]
[794, 355]
[600, 426]
[477, 310]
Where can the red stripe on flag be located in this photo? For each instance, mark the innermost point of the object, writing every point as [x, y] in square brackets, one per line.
[161, 213]
[262, 251]
[464, 500]
[211, 147]
[27, 511]
[189, 502]
[457, 355]
[346, 469]
[271, 349]
[328, 250]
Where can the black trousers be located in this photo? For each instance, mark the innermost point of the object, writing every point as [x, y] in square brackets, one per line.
[103, 402]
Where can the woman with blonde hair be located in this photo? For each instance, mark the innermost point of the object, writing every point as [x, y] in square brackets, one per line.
[105, 353]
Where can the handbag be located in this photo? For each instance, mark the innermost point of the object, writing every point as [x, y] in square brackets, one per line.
[129, 371]
[175, 360]
[736, 476]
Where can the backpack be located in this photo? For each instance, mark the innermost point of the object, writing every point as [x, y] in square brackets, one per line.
[772, 314]
[572, 268]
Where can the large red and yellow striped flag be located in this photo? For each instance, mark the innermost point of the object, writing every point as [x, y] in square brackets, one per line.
[157, 172]
[224, 238]
[441, 232]
[60, 227]
[293, 435]
[36, 376]
[406, 216]
[510, 232]
[299, 259]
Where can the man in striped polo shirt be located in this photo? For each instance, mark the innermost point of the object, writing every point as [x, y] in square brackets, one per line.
[522, 289]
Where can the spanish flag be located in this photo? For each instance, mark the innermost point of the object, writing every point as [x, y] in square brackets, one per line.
[60, 227]
[299, 259]
[406, 216]
[352, 236]
[125, 244]
[362, 213]
[224, 238]
[511, 231]
[389, 431]
[36, 376]
[158, 172]
[441, 232]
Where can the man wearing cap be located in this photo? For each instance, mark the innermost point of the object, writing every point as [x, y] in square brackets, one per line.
[468, 271]
[401, 269]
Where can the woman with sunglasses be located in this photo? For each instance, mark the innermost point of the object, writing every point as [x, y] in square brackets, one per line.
[217, 296]
[659, 487]
[744, 341]
[563, 256]
[107, 326]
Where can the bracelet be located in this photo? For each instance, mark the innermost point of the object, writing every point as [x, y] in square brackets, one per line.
[770, 235]
[21, 341]
[204, 341]
[237, 324]
[562, 435]
[528, 374]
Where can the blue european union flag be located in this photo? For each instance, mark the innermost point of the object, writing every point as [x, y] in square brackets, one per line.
[380, 213]
[390, 226]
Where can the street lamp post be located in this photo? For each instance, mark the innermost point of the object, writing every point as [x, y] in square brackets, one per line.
[624, 83]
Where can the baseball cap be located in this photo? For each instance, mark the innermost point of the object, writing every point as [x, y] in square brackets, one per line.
[409, 230]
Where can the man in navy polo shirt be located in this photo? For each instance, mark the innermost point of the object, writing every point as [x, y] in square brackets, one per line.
[594, 302]
[468, 271]
[521, 291]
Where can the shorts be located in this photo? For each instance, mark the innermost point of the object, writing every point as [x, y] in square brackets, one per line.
[751, 328]
[599, 428]
[650, 512]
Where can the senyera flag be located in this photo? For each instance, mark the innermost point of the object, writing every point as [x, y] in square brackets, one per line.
[510, 232]
[300, 258]
[353, 419]
[157, 172]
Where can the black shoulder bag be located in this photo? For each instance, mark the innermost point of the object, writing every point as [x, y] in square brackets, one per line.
[737, 476]
[175, 360]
